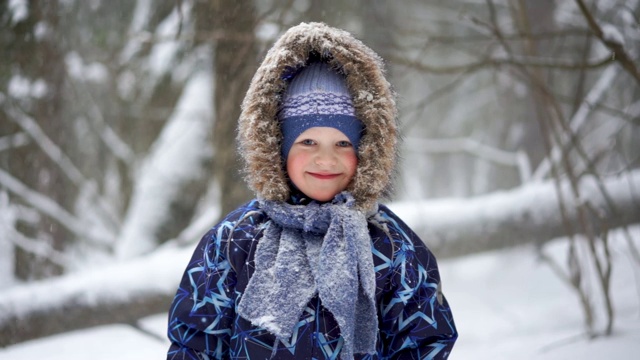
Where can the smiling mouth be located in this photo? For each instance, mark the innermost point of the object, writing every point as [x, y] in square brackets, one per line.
[324, 176]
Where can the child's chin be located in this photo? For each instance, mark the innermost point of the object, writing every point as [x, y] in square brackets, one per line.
[323, 196]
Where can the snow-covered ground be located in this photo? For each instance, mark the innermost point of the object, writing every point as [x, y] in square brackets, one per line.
[507, 305]
[510, 305]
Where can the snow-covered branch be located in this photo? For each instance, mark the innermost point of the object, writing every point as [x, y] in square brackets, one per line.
[55, 153]
[109, 137]
[122, 292]
[470, 146]
[613, 40]
[13, 141]
[38, 247]
[454, 227]
[52, 209]
[497, 62]
[498, 156]
[176, 159]
[579, 118]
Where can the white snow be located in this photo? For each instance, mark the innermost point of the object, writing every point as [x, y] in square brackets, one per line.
[120, 342]
[126, 82]
[267, 31]
[7, 224]
[41, 30]
[39, 88]
[507, 305]
[164, 52]
[19, 86]
[140, 16]
[612, 34]
[19, 10]
[77, 68]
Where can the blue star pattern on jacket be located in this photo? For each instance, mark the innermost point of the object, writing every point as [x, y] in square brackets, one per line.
[415, 321]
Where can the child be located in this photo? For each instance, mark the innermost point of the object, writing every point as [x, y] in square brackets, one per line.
[314, 268]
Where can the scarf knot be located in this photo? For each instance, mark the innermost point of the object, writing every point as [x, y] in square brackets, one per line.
[317, 217]
[322, 249]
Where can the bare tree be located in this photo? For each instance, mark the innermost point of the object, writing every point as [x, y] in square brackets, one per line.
[565, 127]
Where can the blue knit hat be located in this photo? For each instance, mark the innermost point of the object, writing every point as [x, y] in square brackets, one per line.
[317, 97]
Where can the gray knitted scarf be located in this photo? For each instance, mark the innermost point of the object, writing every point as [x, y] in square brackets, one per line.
[309, 249]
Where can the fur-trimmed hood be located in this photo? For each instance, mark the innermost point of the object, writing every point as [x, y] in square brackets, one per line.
[259, 134]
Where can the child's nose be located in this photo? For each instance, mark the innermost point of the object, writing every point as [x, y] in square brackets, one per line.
[325, 157]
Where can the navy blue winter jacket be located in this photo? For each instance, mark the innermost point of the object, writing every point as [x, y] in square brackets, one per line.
[414, 317]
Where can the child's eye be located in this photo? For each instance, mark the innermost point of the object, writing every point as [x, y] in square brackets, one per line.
[307, 142]
[343, 143]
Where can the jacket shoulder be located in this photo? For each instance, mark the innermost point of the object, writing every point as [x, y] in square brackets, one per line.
[395, 226]
[242, 221]
[398, 240]
[231, 238]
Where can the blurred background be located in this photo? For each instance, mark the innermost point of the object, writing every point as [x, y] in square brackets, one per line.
[520, 162]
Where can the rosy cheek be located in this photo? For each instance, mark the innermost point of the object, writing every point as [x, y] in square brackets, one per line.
[295, 163]
[352, 163]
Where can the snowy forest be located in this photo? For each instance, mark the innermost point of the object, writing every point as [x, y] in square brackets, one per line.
[521, 140]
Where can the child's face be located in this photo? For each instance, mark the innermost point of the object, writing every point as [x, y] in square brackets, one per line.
[322, 162]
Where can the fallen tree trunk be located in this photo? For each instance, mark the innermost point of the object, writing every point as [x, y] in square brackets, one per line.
[127, 291]
[118, 293]
[528, 214]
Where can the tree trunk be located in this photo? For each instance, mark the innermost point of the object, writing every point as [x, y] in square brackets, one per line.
[43, 61]
[234, 64]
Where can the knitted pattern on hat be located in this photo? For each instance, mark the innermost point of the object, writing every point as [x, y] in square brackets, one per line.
[317, 97]
[317, 89]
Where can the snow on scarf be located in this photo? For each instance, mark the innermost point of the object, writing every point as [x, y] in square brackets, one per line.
[294, 261]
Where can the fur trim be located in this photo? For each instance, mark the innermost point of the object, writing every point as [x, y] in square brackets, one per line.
[259, 135]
